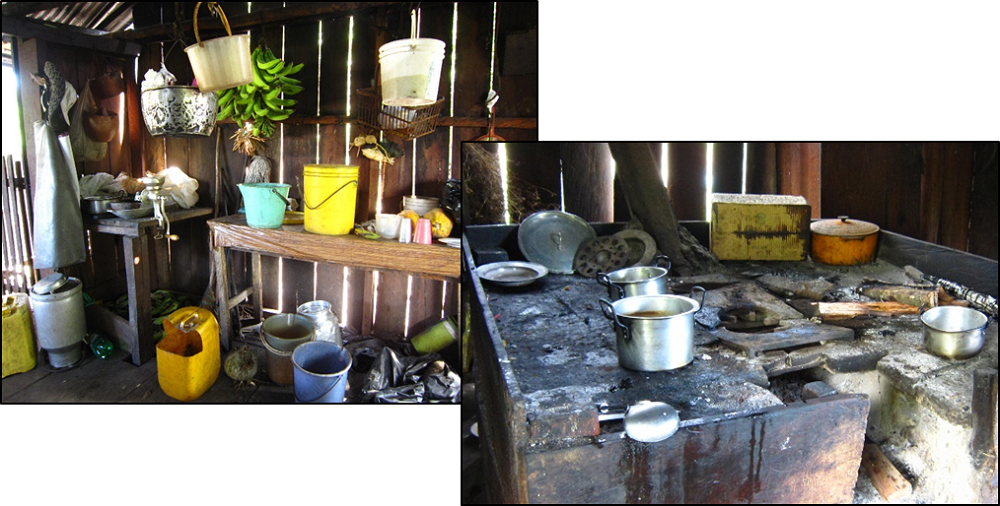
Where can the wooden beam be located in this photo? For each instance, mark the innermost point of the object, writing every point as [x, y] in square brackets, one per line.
[762, 176]
[69, 36]
[588, 178]
[296, 12]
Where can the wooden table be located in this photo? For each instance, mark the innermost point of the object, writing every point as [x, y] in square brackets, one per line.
[435, 261]
[136, 334]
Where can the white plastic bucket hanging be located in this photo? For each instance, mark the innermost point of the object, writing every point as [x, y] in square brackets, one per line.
[411, 69]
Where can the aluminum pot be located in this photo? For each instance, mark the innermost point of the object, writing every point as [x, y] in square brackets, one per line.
[635, 281]
[954, 332]
[654, 332]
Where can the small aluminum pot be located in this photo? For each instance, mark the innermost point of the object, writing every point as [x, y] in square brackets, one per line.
[635, 281]
[954, 332]
[654, 332]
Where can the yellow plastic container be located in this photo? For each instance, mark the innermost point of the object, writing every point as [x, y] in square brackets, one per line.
[330, 195]
[188, 358]
[18, 340]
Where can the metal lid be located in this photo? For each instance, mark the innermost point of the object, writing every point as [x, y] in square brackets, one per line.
[551, 238]
[50, 284]
[844, 227]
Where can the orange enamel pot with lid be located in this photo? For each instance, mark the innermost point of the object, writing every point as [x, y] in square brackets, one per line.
[844, 241]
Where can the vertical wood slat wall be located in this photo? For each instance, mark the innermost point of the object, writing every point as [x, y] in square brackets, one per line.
[942, 193]
[383, 309]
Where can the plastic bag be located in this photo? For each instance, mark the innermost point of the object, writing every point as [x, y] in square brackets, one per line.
[84, 149]
[183, 189]
[395, 379]
[99, 184]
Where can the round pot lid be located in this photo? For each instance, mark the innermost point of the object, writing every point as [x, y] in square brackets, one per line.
[844, 227]
[551, 239]
[50, 284]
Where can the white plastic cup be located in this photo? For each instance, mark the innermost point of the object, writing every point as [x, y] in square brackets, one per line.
[387, 225]
[406, 231]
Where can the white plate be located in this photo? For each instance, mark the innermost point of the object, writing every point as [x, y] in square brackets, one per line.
[454, 243]
[512, 273]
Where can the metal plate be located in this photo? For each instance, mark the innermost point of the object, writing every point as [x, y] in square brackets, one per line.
[454, 243]
[551, 238]
[512, 274]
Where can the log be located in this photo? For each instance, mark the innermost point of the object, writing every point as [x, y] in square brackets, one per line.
[913, 296]
[891, 485]
[832, 311]
[638, 171]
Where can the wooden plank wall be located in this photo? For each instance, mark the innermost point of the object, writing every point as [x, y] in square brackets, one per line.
[942, 193]
[102, 278]
[386, 305]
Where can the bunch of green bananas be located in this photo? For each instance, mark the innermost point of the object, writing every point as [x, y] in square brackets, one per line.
[261, 102]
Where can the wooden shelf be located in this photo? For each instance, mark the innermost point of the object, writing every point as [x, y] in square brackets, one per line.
[435, 261]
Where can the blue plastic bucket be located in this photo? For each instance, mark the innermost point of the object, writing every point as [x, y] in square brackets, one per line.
[265, 203]
[321, 372]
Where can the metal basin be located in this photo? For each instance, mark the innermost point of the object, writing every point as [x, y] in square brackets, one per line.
[654, 332]
[954, 332]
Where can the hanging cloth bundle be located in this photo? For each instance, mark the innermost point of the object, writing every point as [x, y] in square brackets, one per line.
[58, 218]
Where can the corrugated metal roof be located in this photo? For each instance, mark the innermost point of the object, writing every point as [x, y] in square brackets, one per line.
[102, 16]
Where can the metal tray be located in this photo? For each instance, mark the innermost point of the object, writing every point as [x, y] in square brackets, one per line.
[512, 274]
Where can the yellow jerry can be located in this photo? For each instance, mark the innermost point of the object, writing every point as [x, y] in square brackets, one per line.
[188, 358]
[18, 340]
[760, 227]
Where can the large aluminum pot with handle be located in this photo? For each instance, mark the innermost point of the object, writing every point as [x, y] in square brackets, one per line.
[654, 332]
[635, 281]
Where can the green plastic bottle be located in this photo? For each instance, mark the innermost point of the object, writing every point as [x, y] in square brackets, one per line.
[102, 347]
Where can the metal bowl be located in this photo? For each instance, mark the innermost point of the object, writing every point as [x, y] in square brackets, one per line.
[96, 206]
[953, 332]
[179, 111]
[512, 274]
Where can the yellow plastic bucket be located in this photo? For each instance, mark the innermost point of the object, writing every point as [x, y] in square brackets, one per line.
[330, 196]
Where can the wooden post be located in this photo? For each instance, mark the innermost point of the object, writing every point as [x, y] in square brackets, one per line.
[686, 184]
[727, 169]
[222, 295]
[984, 419]
[588, 181]
[140, 310]
[258, 286]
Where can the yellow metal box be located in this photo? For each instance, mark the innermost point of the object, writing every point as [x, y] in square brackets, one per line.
[760, 227]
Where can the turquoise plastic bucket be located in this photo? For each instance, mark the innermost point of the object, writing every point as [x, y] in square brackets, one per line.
[321, 372]
[265, 208]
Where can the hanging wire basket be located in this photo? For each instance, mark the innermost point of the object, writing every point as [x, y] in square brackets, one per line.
[405, 122]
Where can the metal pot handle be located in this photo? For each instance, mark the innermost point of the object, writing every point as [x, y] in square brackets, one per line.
[609, 313]
[659, 260]
[604, 280]
[701, 305]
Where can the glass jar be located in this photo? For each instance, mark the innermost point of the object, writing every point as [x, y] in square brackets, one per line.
[325, 321]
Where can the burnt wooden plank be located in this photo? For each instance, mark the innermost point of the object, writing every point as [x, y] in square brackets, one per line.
[391, 306]
[727, 170]
[957, 188]
[792, 335]
[426, 305]
[876, 182]
[503, 422]
[535, 164]
[772, 458]
[932, 192]
[686, 179]
[984, 418]
[519, 93]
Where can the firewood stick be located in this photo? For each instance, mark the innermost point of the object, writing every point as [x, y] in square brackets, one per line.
[891, 485]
